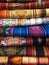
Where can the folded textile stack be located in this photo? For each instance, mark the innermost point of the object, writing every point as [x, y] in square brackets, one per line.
[24, 32]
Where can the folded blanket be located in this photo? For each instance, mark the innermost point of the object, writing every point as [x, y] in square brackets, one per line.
[23, 22]
[19, 41]
[22, 64]
[33, 13]
[31, 5]
[21, 0]
[25, 31]
[34, 51]
[25, 60]
[29, 60]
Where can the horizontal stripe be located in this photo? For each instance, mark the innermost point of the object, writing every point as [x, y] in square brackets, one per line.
[18, 41]
[17, 5]
[22, 22]
[31, 5]
[39, 51]
[25, 60]
[24, 13]
[32, 31]
[22, 0]
[22, 64]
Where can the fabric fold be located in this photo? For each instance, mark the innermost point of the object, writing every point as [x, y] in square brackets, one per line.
[22, 1]
[33, 13]
[33, 51]
[25, 31]
[23, 41]
[30, 5]
[22, 60]
[24, 22]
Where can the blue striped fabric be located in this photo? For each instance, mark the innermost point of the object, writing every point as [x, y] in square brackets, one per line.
[32, 31]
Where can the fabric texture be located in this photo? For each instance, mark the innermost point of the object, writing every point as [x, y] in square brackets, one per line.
[30, 5]
[31, 31]
[21, 64]
[24, 32]
[22, 1]
[22, 60]
[23, 41]
[33, 51]
[24, 22]
[33, 13]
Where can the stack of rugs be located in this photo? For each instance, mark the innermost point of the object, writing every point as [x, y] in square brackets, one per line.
[24, 32]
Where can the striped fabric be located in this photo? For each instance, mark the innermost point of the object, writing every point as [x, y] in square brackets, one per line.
[33, 13]
[19, 41]
[38, 51]
[22, 0]
[32, 31]
[22, 64]
[32, 5]
[25, 60]
[24, 32]
[29, 60]
[23, 22]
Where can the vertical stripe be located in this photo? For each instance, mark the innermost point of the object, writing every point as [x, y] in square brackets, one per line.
[39, 51]
[47, 50]
[47, 41]
[41, 64]
[35, 41]
[47, 29]
[43, 41]
[44, 31]
[29, 50]
[16, 31]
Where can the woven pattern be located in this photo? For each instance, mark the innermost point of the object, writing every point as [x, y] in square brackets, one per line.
[23, 22]
[24, 13]
[22, 60]
[19, 41]
[32, 5]
[35, 31]
[21, 0]
[24, 32]
[25, 51]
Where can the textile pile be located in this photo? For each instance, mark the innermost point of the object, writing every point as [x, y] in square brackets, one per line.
[24, 32]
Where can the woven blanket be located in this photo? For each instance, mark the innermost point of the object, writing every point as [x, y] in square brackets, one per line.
[19, 41]
[22, 0]
[33, 13]
[24, 22]
[34, 51]
[31, 5]
[32, 31]
[24, 60]
[22, 64]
